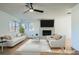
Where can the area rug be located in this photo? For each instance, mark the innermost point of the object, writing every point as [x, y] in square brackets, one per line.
[34, 46]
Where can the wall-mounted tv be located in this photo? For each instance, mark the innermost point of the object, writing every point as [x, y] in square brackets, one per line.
[46, 23]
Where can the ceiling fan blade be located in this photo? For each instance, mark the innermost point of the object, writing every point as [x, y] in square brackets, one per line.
[26, 11]
[38, 10]
[31, 5]
[27, 6]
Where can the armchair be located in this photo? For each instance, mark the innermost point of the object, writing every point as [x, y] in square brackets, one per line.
[60, 43]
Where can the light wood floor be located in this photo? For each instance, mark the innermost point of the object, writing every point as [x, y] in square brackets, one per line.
[55, 51]
[12, 50]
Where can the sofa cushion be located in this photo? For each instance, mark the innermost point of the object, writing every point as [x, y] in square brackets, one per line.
[19, 34]
[56, 36]
[8, 37]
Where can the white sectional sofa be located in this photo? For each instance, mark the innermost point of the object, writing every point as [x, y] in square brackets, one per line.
[12, 42]
[56, 43]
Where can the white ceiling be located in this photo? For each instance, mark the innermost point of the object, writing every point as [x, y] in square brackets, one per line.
[17, 9]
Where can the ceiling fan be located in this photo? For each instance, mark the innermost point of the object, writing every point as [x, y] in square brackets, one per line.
[31, 9]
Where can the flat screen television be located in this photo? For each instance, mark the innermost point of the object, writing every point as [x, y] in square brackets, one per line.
[46, 23]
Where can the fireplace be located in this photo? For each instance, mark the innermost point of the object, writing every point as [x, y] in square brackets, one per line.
[46, 32]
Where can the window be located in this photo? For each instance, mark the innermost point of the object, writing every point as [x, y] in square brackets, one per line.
[13, 26]
[31, 27]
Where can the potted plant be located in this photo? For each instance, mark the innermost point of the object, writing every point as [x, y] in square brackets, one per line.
[21, 29]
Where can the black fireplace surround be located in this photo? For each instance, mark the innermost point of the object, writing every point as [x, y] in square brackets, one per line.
[46, 32]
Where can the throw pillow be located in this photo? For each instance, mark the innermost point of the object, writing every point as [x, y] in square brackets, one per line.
[57, 36]
[7, 37]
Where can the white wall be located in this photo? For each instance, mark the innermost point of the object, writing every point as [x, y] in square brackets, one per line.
[75, 27]
[4, 19]
[63, 23]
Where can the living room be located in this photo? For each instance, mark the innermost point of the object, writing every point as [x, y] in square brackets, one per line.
[31, 23]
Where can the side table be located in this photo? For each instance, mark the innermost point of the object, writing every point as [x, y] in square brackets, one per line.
[2, 42]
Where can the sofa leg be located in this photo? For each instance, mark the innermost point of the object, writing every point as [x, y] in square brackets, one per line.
[62, 48]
